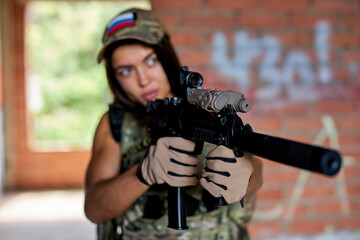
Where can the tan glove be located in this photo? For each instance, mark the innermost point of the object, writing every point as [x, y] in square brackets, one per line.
[169, 162]
[226, 175]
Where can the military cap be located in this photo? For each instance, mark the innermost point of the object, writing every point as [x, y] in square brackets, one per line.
[136, 24]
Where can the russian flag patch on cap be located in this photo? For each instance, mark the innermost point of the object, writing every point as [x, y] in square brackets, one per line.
[121, 21]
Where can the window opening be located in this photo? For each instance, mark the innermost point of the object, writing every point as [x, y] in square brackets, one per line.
[66, 89]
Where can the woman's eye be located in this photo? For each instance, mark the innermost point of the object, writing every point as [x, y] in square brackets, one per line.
[151, 61]
[124, 72]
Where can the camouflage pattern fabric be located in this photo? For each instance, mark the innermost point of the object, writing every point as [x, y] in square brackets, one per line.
[144, 27]
[227, 222]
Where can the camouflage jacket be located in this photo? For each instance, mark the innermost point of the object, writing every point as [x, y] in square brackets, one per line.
[140, 221]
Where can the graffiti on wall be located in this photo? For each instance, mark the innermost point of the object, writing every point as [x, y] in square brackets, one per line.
[293, 73]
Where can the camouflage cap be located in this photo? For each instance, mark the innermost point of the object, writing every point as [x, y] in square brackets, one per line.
[137, 24]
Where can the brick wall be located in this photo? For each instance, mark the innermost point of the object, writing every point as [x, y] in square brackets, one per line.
[299, 63]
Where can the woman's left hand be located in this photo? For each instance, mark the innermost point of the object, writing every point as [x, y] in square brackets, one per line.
[226, 175]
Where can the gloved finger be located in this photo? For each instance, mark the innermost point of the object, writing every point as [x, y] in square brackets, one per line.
[184, 158]
[220, 164]
[179, 145]
[221, 152]
[245, 162]
[228, 178]
[211, 187]
[218, 190]
[221, 179]
[230, 164]
[181, 181]
[182, 168]
[244, 174]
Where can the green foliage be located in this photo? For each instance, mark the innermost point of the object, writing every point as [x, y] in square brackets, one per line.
[63, 40]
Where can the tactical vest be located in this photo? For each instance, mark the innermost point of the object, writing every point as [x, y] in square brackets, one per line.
[147, 217]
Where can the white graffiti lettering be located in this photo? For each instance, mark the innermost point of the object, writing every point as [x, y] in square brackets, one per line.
[292, 75]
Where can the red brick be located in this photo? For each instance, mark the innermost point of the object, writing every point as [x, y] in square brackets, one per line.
[353, 189]
[280, 5]
[349, 123]
[264, 229]
[266, 206]
[195, 57]
[353, 205]
[181, 39]
[336, 6]
[270, 124]
[262, 21]
[231, 4]
[345, 39]
[351, 22]
[351, 172]
[321, 180]
[295, 39]
[213, 80]
[272, 194]
[205, 21]
[310, 21]
[169, 20]
[350, 92]
[349, 55]
[327, 207]
[175, 5]
[335, 107]
[312, 53]
[273, 109]
[273, 166]
[304, 123]
[315, 192]
[346, 141]
[340, 74]
[301, 210]
[309, 226]
[280, 177]
[349, 223]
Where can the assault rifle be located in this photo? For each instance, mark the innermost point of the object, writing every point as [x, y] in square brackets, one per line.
[205, 115]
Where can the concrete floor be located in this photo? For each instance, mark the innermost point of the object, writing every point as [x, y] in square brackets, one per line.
[44, 215]
[53, 215]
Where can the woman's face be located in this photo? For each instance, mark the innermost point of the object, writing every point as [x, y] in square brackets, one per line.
[139, 73]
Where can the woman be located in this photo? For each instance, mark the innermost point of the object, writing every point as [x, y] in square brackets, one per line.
[125, 190]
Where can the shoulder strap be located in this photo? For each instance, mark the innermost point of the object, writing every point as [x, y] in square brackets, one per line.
[116, 115]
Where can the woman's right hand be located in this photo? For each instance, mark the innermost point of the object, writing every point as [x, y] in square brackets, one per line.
[170, 161]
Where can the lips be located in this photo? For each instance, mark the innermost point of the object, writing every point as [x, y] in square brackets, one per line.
[150, 95]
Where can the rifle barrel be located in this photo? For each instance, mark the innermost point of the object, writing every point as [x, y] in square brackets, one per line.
[301, 155]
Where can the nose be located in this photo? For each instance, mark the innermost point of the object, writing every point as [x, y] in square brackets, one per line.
[142, 77]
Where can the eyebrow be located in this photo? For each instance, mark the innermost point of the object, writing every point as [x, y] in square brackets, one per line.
[148, 56]
[144, 60]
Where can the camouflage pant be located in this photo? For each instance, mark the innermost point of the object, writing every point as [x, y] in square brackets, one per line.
[224, 223]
